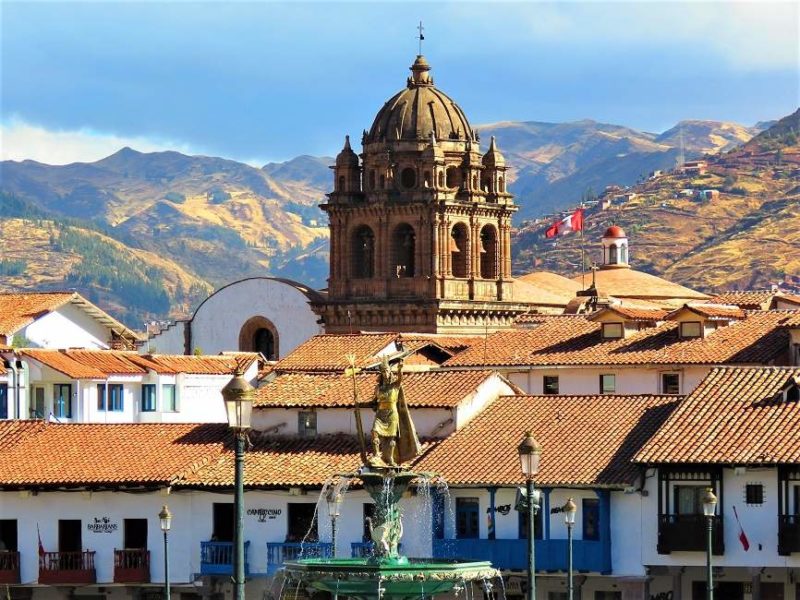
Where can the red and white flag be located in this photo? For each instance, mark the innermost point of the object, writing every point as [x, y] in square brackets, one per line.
[742, 535]
[41, 546]
[573, 222]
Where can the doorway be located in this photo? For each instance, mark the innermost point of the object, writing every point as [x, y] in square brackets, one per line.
[302, 524]
[134, 534]
[69, 535]
[222, 522]
[8, 535]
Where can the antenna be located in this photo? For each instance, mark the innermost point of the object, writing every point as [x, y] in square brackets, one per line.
[421, 36]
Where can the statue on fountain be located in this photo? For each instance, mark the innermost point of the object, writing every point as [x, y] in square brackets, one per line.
[394, 437]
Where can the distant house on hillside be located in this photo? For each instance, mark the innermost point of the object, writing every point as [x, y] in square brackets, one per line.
[694, 167]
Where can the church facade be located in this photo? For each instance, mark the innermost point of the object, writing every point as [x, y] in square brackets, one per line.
[420, 223]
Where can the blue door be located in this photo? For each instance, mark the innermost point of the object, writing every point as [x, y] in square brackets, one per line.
[467, 518]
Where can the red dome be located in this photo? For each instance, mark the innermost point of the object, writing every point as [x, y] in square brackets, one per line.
[615, 231]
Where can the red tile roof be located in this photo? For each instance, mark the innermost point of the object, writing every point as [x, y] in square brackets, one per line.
[444, 389]
[748, 300]
[759, 339]
[38, 453]
[711, 311]
[20, 309]
[586, 440]
[735, 416]
[632, 314]
[329, 352]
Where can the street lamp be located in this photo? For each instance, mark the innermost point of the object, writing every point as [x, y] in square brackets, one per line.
[165, 519]
[709, 508]
[238, 397]
[530, 452]
[569, 509]
[334, 500]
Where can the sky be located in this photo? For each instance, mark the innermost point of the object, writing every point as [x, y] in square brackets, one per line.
[267, 81]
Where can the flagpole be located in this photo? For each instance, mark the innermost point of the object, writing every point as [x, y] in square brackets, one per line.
[583, 254]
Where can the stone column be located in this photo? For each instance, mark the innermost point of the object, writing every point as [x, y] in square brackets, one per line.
[448, 256]
[436, 225]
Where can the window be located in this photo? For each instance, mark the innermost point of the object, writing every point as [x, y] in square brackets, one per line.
[612, 255]
[101, 396]
[691, 329]
[115, 398]
[8, 536]
[403, 245]
[613, 331]
[62, 401]
[550, 384]
[754, 493]
[37, 410]
[670, 383]
[453, 177]
[341, 183]
[408, 178]
[168, 400]
[307, 424]
[608, 384]
[302, 522]
[590, 518]
[148, 397]
[458, 250]
[689, 499]
[3, 400]
[363, 252]
[467, 518]
[264, 343]
[488, 252]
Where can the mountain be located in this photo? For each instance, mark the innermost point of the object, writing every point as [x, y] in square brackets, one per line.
[747, 236]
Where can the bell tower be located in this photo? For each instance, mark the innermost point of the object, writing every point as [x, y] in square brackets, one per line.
[420, 224]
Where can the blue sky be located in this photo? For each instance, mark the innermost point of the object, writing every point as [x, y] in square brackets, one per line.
[260, 81]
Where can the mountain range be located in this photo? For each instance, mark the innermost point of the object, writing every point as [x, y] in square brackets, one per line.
[182, 225]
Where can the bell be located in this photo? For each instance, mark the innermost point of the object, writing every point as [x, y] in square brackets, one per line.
[454, 245]
[482, 246]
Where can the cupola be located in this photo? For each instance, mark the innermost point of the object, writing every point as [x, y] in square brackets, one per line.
[615, 248]
[348, 171]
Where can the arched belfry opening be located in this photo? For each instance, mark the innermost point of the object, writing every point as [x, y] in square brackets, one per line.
[259, 334]
[488, 252]
[459, 251]
[363, 253]
[403, 249]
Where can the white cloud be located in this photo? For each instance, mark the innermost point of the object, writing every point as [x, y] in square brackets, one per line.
[20, 140]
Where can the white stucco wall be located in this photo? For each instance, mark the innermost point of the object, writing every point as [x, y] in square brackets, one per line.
[67, 327]
[217, 322]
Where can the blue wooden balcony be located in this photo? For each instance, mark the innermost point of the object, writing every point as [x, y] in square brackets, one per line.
[216, 558]
[512, 555]
[278, 552]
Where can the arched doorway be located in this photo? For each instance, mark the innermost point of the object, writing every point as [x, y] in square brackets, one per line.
[259, 334]
[488, 252]
[363, 253]
[458, 250]
[403, 247]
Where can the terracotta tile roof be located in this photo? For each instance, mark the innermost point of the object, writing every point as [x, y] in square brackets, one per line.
[586, 440]
[793, 321]
[444, 389]
[38, 453]
[20, 309]
[329, 352]
[629, 283]
[282, 461]
[711, 311]
[632, 314]
[735, 416]
[99, 364]
[748, 300]
[791, 298]
[574, 340]
[451, 343]
[547, 288]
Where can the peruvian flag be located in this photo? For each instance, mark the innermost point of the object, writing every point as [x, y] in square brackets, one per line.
[742, 535]
[573, 222]
[41, 546]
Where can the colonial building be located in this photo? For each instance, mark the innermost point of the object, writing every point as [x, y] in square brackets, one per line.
[420, 223]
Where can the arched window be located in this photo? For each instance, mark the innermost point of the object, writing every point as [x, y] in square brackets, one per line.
[259, 334]
[341, 183]
[372, 180]
[474, 182]
[488, 252]
[408, 178]
[612, 254]
[403, 243]
[458, 250]
[623, 254]
[363, 253]
[501, 185]
[441, 179]
[453, 177]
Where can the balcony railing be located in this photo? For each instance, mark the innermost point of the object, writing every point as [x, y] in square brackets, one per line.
[788, 534]
[9, 567]
[688, 533]
[132, 565]
[589, 556]
[216, 558]
[67, 567]
[278, 552]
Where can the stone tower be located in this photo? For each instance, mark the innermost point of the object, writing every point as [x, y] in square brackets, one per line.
[420, 225]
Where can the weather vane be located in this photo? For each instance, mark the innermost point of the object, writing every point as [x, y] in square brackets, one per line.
[421, 36]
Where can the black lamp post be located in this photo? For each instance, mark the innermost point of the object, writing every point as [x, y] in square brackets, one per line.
[709, 508]
[334, 500]
[165, 519]
[530, 452]
[238, 397]
[569, 509]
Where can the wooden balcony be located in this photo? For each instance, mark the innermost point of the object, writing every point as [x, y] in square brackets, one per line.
[67, 568]
[132, 565]
[216, 558]
[9, 567]
[677, 533]
[278, 552]
[788, 534]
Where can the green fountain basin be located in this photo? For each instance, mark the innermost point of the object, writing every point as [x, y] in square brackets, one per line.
[397, 578]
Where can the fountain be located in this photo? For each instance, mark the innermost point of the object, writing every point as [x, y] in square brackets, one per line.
[387, 574]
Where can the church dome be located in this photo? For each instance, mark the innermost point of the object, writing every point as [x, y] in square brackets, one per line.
[615, 231]
[419, 110]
